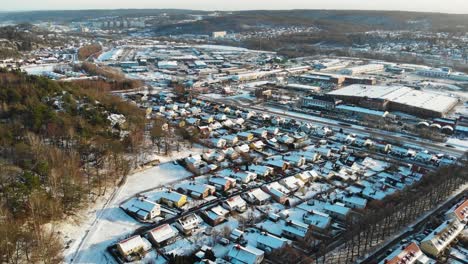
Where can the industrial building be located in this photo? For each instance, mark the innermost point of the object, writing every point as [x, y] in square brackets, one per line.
[362, 69]
[397, 98]
[319, 102]
[219, 34]
[335, 79]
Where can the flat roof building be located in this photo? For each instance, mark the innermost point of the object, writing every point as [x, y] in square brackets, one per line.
[399, 98]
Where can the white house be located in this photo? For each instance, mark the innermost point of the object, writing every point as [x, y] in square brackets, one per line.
[354, 202]
[268, 242]
[132, 245]
[235, 203]
[256, 196]
[162, 235]
[292, 183]
[188, 223]
[245, 255]
[142, 208]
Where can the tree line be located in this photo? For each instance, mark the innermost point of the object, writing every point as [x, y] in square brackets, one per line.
[58, 151]
[380, 221]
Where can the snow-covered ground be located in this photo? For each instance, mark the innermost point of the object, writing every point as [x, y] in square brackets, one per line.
[104, 223]
[458, 143]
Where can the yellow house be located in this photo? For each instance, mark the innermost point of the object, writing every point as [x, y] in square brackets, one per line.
[173, 199]
[245, 136]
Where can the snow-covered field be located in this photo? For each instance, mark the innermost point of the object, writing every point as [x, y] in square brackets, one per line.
[104, 223]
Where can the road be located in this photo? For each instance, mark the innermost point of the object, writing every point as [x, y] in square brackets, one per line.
[415, 228]
[375, 133]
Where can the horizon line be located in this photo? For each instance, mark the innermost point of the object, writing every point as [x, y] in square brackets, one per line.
[232, 10]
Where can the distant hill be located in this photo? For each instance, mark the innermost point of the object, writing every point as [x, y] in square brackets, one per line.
[331, 20]
[78, 15]
[247, 20]
[23, 37]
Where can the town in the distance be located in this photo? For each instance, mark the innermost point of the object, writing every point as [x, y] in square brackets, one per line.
[179, 136]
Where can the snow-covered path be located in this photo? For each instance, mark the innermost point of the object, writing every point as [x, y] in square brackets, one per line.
[106, 223]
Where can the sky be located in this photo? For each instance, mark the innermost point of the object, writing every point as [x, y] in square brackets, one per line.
[446, 6]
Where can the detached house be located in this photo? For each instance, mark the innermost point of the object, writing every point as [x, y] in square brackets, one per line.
[231, 139]
[173, 199]
[213, 156]
[196, 190]
[142, 208]
[257, 145]
[245, 136]
[256, 196]
[307, 176]
[244, 176]
[217, 142]
[260, 133]
[162, 235]
[188, 223]
[292, 183]
[222, 183]
[294, 230]
[295, 160]
[337, 210]
[245, 255]
[277, 191]
[231, 153]
[261, 171]
[131, 246]
[215, 215]
[268, 242]
[354, 202]
[319, 222]
[235, 203]
[278, 165]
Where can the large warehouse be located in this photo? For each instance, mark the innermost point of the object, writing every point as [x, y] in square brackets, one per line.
[397, 98]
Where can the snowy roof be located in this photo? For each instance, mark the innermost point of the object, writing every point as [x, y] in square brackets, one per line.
[172, 196]
[260, 169]
[235, 201]
[259, 194]
[162, 233]
[131, 243]
[194, 187]
[342, 210]
[271, 241]
[221, 180]
[219, 210]
[356, 200]
[318, 219]
[360, 110]
[401, 95]
[137, 204]
[292, 182]
[462, 211]
[410, 252]
[294, 228]
[247, 255]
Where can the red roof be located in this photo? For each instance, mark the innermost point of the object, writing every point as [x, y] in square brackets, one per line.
[409, 252]
[462, 210]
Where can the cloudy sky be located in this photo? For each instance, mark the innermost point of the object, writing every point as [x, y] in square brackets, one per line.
[447, 6]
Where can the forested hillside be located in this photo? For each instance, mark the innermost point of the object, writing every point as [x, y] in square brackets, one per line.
[24, 37]
[60, 145]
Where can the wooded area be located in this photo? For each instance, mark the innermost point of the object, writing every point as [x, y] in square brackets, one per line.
[89, 50]
[58, 150]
